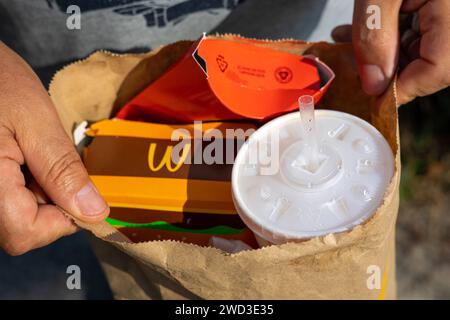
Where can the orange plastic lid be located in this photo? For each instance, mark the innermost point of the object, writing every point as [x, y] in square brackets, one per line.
[220, 79]
[256, 81]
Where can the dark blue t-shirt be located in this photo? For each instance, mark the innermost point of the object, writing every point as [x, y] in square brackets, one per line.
[51, 33]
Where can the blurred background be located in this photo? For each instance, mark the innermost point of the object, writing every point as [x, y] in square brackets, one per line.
[423, 237]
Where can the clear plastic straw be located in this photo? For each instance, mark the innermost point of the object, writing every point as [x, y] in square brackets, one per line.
[306, 106]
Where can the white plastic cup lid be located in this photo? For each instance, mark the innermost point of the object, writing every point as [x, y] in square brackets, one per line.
[281, 198]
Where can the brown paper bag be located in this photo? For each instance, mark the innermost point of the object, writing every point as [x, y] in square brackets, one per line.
[359, 264]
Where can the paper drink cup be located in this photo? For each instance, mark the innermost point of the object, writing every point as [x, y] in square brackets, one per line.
[281, 198]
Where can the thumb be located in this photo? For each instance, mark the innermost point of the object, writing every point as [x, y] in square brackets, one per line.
[375, 40]
[56, 166]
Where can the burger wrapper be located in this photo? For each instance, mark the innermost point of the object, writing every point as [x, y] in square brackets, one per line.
[157, 183]
[358, 264]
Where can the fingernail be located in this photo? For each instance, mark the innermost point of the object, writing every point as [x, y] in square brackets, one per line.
[373, 80]
[89, 201]
[337, 33]
[342, 33]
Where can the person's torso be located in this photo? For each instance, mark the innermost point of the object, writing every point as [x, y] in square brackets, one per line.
[49, 32]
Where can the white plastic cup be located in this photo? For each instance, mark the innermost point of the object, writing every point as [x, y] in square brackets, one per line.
[281, 200]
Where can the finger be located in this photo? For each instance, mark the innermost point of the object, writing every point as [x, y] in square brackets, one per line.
[412, 5]
[52, 159]
[38, 192]
[376, 49]
[430, 72]
[420, 78]
[23, 224]
[414, 49]
[33, 186]
[342, 33]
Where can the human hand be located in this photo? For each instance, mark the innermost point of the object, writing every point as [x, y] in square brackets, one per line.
[425, 47]
[32, 211]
